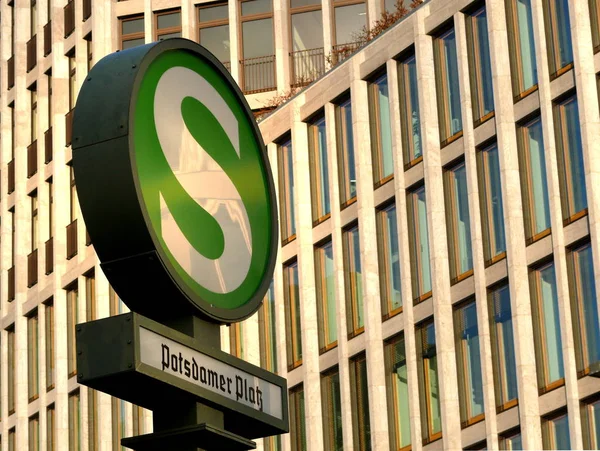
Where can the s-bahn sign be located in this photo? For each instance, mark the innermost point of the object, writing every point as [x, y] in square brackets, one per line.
[174, 183]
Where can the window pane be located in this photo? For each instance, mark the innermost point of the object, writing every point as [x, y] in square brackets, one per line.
[332, 411]
[584, 306]
[522, 46]
[49, 339]
[359, 390]
[216, 41]
[267, 334]
[353, 281]
[546, 325]
[533, 177]
[162, 37]
[50, 425]
[293, 324]
[34, 434]
[558, 34]
[409, 109]
[132, 26]
[511, 442]
[168, 20]
[491, 202]
[503, 352]
[258, 38]
[133, 43]
[349, 21]
[72, 320]
[33, 357]
[468, 362]
[397, 393]
[595, 21]
[448, 92]
[325, 295]
[300, 3]
[418, 242]
[555, 432]
[570, 157]
[381, 129]
[74, 423]
[307, 30]
[287, 191]
[457, 212]
[480, 65]
[219, 12]
[590, 418]
[256, 7]
[11, 370]
[297, 419]
[319, 174]
[345, 144]
[429, 394]
[389, 260]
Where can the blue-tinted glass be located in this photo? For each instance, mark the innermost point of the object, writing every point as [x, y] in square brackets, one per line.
[483, 96]
[320, 170]
[504, 353]
[448, 88]
[381, 130]
[346, 152]
[460, 236]
[391, 294]
[493, 211]
[409, 109]
[526, 46]
[573, 155]
[559, 31]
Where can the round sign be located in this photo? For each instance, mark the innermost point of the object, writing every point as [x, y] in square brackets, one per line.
[174, 183]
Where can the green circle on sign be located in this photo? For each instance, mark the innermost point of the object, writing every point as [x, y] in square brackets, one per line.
[202, 178]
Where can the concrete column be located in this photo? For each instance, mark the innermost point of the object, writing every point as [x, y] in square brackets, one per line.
[235, 32]
[327, 10]
[282, 46]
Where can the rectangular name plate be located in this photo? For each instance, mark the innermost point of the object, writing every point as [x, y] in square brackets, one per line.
[143, 362]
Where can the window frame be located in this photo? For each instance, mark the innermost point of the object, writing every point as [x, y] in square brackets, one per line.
[297, 421]
[321, 297]
[385, 270]
[267, 333]
[414, 232]
[376, 128]
[130, 36]
[551, 25]
[212, 24]
[394, 417]
[327, 393]
[342, 148]
[404, 90]
[361, 431]
[72, 300]
[316, 181]
[353, 293]
[427, 433]
[293, 318]
[33, 362]
[548, 428]
[158, 32]
[287, 190]
[49, 344]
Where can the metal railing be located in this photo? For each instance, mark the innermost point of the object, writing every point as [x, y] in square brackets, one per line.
[11, 176]
[32, 159]
[258, 74]
[48, 38]
[31, 53]
[48, 146]
[342, 51]
[69, 127]
[87, 9]
[69, 11]
[11, 71]
[72, 240]
[32, 269]
[11, 283]
[49, 249]
[307, 65]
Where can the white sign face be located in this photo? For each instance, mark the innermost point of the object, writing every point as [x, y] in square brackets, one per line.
[209, 373]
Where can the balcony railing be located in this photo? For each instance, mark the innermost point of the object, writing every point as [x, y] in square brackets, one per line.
[69, 11]
[49, 248]
[307, 65]
[87, 9]
[31, 53]
[342, 51]
[11, 176]
[69, 127]
[11, 72]
[32, 159]
[48, 38]
[48, 146]
[11, 283]
[32, 269]
[258, 74]
[72, 240]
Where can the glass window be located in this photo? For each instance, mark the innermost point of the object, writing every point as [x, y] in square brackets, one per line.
[416, 205]
[291, 293]
[252, 7]
[287, 191]
[267, 334]
[349, 22]
[90, 297]
[34, 113]
[510, 441]
[359, 391]
[546, 324]
[555, 432]
[272, 443]
[307, 55]
[397, 393]
[307, 30]
[297, 419]
[132, 32]
[448, 91]
[558, 34]
[119, 423]
[213, 33]
[410, 120]
[482, 94]
[33, 363]
[325, 283]
[457, 217]
[590, 419]
[429, 391]
[522, 46]
[258, 47]
[503, 349]
[11, 432]
[595, 22]
[72, 82]
[168, 24]
[584, 307]
[389, 260]
[381, 129]
[49, 339]
[345, 147]
[319, 174]
[534, 185]
[236, 340]
[353, 282]
[492, 212]
[332, 410]
[570, 157]
[12, 368]
[50, 427]
[74, 422]
[92, 397]
[33, 200]
[72, 320]
[468, 363]
[34, 433]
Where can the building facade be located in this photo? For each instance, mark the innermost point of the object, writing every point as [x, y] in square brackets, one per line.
[435, 284]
